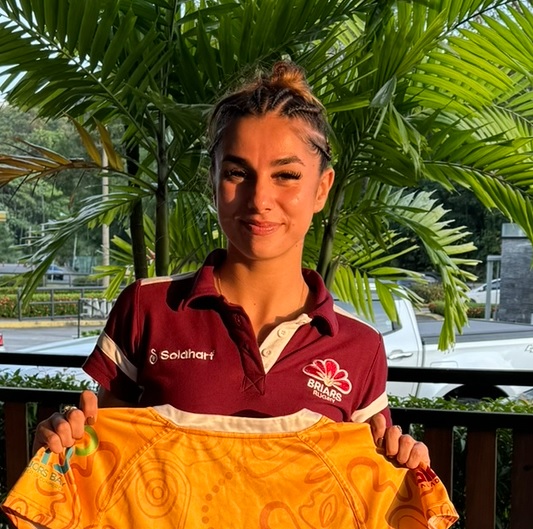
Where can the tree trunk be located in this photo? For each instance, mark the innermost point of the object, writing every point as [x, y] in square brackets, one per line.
[326, 266]
[138, 243]
[161, 219]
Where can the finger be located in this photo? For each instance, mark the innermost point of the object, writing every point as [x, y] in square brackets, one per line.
[76, 420]
[89, 405]
[61, 430]
[47, 436]
[392, 440]
[40, 438]
[405, 447]
[378, 426]
[67, 427]
[418, 456]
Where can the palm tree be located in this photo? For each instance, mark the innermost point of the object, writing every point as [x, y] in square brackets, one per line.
[409, 88]
[154, 67]
[421, 93]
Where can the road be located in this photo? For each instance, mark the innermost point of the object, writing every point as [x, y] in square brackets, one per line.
[17, 339]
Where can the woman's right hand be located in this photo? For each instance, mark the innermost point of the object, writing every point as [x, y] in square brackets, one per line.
[62, 430]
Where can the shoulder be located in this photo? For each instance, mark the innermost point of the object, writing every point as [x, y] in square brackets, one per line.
[152, 285]
[154, 294]
[348, 320]
[338, 319]
[155, 282]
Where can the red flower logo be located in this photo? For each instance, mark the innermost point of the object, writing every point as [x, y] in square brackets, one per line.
[330, 374]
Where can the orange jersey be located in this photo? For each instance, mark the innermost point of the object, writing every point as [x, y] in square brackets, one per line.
[164, 468]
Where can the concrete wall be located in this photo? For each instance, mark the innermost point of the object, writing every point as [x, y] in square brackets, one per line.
[516, 294]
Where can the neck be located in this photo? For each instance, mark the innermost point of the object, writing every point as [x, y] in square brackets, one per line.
[268, 294]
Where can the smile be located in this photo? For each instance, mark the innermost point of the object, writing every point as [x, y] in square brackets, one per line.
[260, 228]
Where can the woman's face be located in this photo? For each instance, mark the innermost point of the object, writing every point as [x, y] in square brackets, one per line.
[268, 185]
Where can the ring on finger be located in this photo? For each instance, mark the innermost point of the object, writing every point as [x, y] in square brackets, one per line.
[67, 409]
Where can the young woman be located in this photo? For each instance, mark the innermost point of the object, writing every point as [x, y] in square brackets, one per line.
[250, 333]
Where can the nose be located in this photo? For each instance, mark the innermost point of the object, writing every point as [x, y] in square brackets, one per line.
[261, 194]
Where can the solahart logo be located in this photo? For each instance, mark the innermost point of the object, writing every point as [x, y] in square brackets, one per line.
[187, 354]
[327, 380]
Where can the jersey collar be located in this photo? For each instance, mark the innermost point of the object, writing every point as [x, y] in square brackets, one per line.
[204, 291]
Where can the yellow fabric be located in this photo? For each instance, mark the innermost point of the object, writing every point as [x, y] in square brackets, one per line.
[138, 468]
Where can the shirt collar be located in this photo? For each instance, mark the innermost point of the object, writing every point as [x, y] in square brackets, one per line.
[323, 315]
[204, 281]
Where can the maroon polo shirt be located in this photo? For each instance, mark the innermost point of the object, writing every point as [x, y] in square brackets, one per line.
[175, 340]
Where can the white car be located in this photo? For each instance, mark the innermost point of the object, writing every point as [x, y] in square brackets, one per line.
[479, 294]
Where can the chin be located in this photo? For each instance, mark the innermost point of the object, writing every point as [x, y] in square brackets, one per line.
[267, 252]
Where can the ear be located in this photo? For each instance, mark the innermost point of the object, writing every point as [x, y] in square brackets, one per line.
[326, 182]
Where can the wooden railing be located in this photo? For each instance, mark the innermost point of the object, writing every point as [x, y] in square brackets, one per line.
[439, 428]
[481, 460]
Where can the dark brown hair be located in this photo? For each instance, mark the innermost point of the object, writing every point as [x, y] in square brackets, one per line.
[284, 91]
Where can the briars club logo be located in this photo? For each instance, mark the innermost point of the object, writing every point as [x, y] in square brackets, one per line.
[327, 380]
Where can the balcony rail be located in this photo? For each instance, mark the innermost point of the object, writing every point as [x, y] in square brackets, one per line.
[480, 470]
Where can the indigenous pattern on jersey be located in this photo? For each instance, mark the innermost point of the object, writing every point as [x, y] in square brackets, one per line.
[168, 469]
[176, 340]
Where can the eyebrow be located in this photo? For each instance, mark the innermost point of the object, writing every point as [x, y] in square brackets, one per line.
[276, 163]
[288, 160]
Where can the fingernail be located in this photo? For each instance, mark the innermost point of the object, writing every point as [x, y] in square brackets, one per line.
[380, 442]
[90, 421]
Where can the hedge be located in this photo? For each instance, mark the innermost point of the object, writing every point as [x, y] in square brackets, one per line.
[64, 303]
[475, 310]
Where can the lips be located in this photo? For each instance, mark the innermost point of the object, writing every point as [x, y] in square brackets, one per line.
[257, 227]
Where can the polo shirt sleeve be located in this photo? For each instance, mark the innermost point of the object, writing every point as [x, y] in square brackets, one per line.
[114, 361]
[374, 391]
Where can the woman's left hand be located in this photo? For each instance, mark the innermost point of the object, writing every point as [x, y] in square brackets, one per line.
[402, 447]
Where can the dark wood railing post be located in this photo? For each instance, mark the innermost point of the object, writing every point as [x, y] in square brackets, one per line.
[522, 480]
[17, 440]
[439, 441]
[480, 486]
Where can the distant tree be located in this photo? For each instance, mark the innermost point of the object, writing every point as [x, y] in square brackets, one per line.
[9, 253]
[31, 206]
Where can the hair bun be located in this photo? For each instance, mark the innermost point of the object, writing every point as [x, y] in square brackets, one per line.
[286, 74]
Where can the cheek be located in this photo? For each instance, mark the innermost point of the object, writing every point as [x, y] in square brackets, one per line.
[225, 196]
[301, 207]
[294, 200]
[303, 199]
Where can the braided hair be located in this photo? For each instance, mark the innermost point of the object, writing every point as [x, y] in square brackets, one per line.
[284, 91]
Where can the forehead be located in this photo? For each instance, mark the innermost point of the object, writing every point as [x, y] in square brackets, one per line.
[270, 136]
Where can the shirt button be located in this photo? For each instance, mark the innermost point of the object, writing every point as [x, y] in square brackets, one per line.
[237, 319]
[282, 332]
[266, 352]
